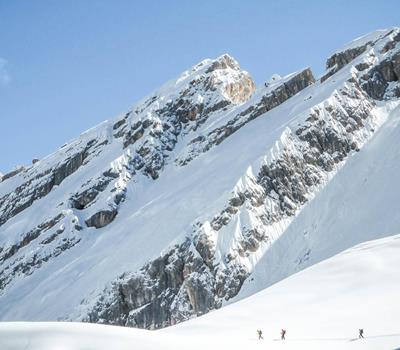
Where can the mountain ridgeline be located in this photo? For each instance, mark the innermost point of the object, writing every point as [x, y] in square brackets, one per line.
[163, 213]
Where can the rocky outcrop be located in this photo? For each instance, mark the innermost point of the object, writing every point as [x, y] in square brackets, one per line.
[391, 44]
[83, 199]
[237, 91]
[70, 165]
[12, 173]
[240, 90]
[376, 81]
[101, 218]
[338, 60]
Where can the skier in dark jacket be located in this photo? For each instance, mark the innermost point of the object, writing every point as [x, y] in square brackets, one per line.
[283, 333]
[360, 333]
[259, 332]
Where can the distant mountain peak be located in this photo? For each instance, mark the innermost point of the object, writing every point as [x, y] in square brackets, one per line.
[222, 76]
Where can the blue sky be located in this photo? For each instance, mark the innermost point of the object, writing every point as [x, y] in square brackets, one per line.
[65, 66]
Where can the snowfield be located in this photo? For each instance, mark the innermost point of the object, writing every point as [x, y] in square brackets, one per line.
[321, 307]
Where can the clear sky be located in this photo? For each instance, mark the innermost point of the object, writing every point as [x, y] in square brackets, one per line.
[67, 65]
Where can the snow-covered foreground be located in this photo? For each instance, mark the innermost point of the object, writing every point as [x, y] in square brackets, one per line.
[321, 307]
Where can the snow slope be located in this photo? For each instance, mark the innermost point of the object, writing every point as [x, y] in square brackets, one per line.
[321, 307]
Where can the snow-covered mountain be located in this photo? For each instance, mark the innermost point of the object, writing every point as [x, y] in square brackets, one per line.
[205, 192]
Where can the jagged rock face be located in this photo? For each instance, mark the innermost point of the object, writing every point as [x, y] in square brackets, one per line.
[340, 59]
[101, 218]
[376, 81]
[84, 198]
[238, 90]
[157, 284]
[50, 211]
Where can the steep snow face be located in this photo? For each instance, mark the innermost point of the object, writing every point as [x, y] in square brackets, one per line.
[161, 214]
[360, 203]
[321, 307]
